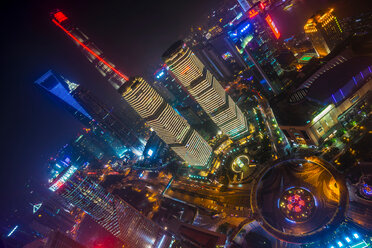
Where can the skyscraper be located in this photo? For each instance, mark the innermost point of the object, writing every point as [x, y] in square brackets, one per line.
[115, 215]
[167, 123]
[207, 91]
[255, 37]
[324, 32]
[89, 110]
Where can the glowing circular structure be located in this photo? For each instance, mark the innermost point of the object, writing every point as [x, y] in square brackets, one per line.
[297, 204]
[297, 200]
[239, 163]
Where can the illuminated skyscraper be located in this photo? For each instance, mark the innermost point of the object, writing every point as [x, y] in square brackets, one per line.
[167, 123]
[324, 32]
[89, 110]
[90, 50]
[115, 215]
[255, 37]
[207, 91]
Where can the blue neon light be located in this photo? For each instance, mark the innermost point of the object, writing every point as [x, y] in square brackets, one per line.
[12, 231]
[160, 74]
[245, 28]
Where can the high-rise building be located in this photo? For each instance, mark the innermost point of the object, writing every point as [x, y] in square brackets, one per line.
[89, 110]
[167, 123]
[324, 32]
[206, 90]
[50, 215]
[255, 37]
[90, 50]
[111, 212]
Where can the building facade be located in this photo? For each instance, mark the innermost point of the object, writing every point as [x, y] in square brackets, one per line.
[324, 32]
[166, 122]
[91, 112]
[205, 89]
[111, 212]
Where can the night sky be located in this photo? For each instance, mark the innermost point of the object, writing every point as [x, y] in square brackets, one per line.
[132, 34]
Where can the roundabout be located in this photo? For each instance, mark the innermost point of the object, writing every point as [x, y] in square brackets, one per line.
[298, 200]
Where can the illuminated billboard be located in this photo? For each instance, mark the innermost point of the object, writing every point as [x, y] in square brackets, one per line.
[272, 26]
[62, 180]
[226, 55]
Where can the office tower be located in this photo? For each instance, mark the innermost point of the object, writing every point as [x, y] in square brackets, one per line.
[167, 123]
[57, 239]
[111, 212]
[324, 32]
[207, 91]
[90, 50]
[50, 215]
[255, 37]
[91, 112]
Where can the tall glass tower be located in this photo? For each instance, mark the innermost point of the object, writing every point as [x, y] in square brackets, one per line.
[89, 110]
[324, 32]
[167, 123]
[112, 213]
[207, 91]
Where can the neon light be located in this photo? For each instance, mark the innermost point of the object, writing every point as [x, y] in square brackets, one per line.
[272, 26]
[36, 207]
[252, 13]
[226, 55]
[185, 70]
[60, 16]
[90, 51]
[150, 152]
[262, 6]
[63, 179]
[12, 231]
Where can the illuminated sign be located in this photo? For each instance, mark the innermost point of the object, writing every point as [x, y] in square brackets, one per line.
[252, 13]
[226, 55]
[272, 26]
[262, 6]
[244, 28]
[323, 113]
[60, 17]
[150, 152]
[63, 179]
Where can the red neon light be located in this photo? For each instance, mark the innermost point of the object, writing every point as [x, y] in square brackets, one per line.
[60, 16]
[262, 6]
[90, 51]
[252, 13]
[272, 26]
[186, 69]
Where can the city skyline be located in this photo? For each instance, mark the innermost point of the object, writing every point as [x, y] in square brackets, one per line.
[261, 126]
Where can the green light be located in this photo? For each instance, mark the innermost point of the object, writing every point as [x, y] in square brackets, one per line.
[305, 58]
